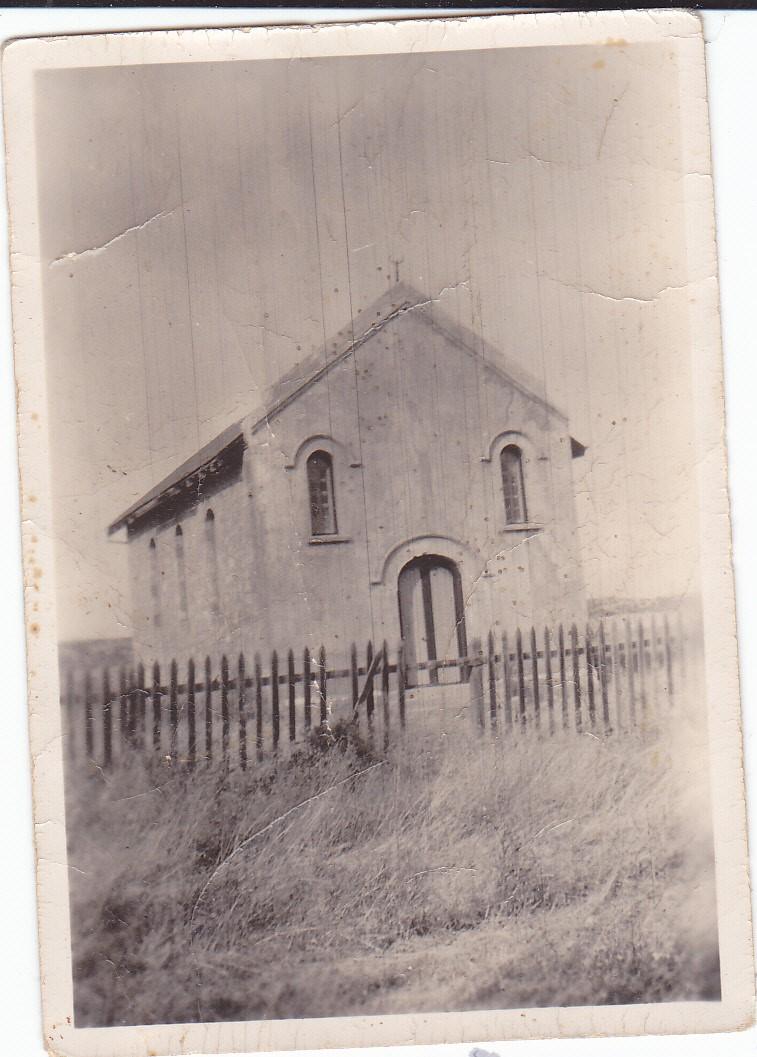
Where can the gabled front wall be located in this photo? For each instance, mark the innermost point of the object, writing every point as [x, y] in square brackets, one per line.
[415, 426]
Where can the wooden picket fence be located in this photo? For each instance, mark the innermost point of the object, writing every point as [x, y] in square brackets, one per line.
[606, 678]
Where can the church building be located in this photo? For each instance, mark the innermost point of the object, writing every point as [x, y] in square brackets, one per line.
[404, 483]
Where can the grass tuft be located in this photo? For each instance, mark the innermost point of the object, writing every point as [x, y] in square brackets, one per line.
[472, 874]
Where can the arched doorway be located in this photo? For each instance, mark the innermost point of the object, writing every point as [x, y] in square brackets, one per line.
[432, 618]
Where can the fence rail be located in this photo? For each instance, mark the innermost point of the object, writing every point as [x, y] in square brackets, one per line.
[608, 677]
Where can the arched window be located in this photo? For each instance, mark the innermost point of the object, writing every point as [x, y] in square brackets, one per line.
[511, 463]
[154, 583]
[181, 572]
[212, 558]
[320, 473]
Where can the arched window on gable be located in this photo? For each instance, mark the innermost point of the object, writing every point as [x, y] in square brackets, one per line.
[181, 573]
[154, 583]
[320, 474]
[212, 557]
[513, 488]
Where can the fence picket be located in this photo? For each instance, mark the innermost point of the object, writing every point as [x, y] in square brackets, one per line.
[548, 681]
[401, 679]
[603, 676]
[630, 660]
[492, 680]
[521, 680]
[173, 711]
[507, 688]
[291, 678]
[156, 707]
[107, 721]
[642, 673]
[616, 676]
[134, 710]
[123, 701]
[275, 718]
[369, 702]
[563, 678]
[589, 658]
[208, 709]
[225, 719]
[385, 691]
[191, 730]
[668, 661]
[322, 688]
[654, 671]
[307, 680]
[258, 708]
[89, 716]
[70, 731]
[142, 704]
[242, 711]
[354, 676]
[535, 678]
[576, 678]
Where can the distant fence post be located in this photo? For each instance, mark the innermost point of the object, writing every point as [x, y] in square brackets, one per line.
[89, 716]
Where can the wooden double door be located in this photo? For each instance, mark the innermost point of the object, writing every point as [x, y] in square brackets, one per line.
[432, 619]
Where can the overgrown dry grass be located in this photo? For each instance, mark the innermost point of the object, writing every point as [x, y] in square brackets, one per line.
[480, 874]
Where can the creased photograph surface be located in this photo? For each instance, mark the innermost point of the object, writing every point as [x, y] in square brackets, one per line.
[379, 528]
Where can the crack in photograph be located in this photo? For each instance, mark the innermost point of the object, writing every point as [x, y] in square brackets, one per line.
[378, 555]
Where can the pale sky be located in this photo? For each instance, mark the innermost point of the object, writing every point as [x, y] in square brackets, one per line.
[226, 219]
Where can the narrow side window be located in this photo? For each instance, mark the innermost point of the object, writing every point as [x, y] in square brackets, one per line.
[320, 474]
[154, 583]
[181, 573]
[212, 562]
[511, 463]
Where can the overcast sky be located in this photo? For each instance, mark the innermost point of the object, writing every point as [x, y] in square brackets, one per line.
[226, 219]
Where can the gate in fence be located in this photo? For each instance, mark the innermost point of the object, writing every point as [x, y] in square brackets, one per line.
[604, 679]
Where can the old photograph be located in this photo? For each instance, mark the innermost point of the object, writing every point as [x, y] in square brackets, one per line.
[377, 522]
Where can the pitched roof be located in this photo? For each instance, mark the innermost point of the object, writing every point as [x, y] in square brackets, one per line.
[398, 300]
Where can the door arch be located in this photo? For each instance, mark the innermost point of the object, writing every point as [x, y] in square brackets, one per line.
[432, 618]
